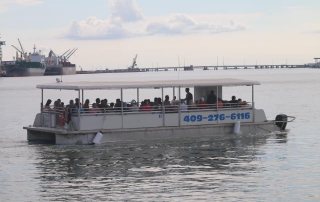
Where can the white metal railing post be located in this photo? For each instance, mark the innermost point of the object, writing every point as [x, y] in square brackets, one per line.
[121, 102]
[253, 107]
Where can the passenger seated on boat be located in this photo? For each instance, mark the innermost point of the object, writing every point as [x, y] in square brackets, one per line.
[166, 101]
[157, 104]
[98, 102]
[125, 106]
[95, 108]
[167, 104]
[77, 103]
[86, 105]
[56, 106]
[211, 99]
[145, 105]
[104, 104]
[117, 106]
[174, 101]
[175, 104]
[242, 103]
[70, 109]
[63, 109]
[57, 103]
[47, 105]
[220, 103]
[233, 102]
[133, 106]
[111, 107]
[202, 104]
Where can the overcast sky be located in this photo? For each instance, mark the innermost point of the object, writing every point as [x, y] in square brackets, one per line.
[108, 33]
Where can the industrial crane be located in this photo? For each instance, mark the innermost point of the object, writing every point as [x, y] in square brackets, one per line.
[134, 63]
[21, 51]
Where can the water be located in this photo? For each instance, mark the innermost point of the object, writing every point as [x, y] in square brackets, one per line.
[267, 169]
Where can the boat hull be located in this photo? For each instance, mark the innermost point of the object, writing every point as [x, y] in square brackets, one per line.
[24, 69]
[57, 70]
[65, 137]
[15, 72]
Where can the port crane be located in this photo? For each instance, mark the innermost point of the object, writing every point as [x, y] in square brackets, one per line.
[134, 63]
[2, 43]
[23, 55]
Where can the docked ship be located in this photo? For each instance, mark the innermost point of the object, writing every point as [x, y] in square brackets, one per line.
[60, 65]
[2, 72]
[32, 64]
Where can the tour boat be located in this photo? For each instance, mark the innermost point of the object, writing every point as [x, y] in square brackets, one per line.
[165, 122]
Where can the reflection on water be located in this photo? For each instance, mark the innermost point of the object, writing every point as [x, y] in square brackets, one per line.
[153, 171]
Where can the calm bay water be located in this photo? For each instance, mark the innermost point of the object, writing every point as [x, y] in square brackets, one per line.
[283, 168]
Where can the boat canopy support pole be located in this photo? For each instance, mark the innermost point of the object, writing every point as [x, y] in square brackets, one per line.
[138, 96]
[162, 107]
[217, 96]
[121, 102]
[79, 108]
[179, 110]
[173, 92]
[82, 99]
[41, 105]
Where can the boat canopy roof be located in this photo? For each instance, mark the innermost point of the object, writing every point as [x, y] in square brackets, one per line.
[87, 85]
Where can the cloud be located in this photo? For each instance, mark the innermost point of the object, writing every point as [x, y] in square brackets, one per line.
[94, 28]
[5, 4]
[184, 24]
[315, 31]
[125, 10]
[28, 2]
[127, 20]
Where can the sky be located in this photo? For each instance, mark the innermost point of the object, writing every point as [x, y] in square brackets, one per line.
[109, 33]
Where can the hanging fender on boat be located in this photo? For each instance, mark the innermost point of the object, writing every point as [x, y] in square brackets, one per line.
[97, 138]
[282, 120]
[236, 128]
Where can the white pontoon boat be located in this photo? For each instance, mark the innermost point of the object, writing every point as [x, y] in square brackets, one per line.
[81, 126]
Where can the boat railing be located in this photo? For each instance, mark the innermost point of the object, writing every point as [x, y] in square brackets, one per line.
[57, 117]
[150, 109]
[63, 114]
[154, 108]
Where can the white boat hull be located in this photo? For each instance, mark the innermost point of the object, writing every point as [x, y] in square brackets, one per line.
[224, 131]
[84, 130]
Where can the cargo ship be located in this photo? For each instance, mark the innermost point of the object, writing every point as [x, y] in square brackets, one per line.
[2, 72]
[32, 64]
[59, 65]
